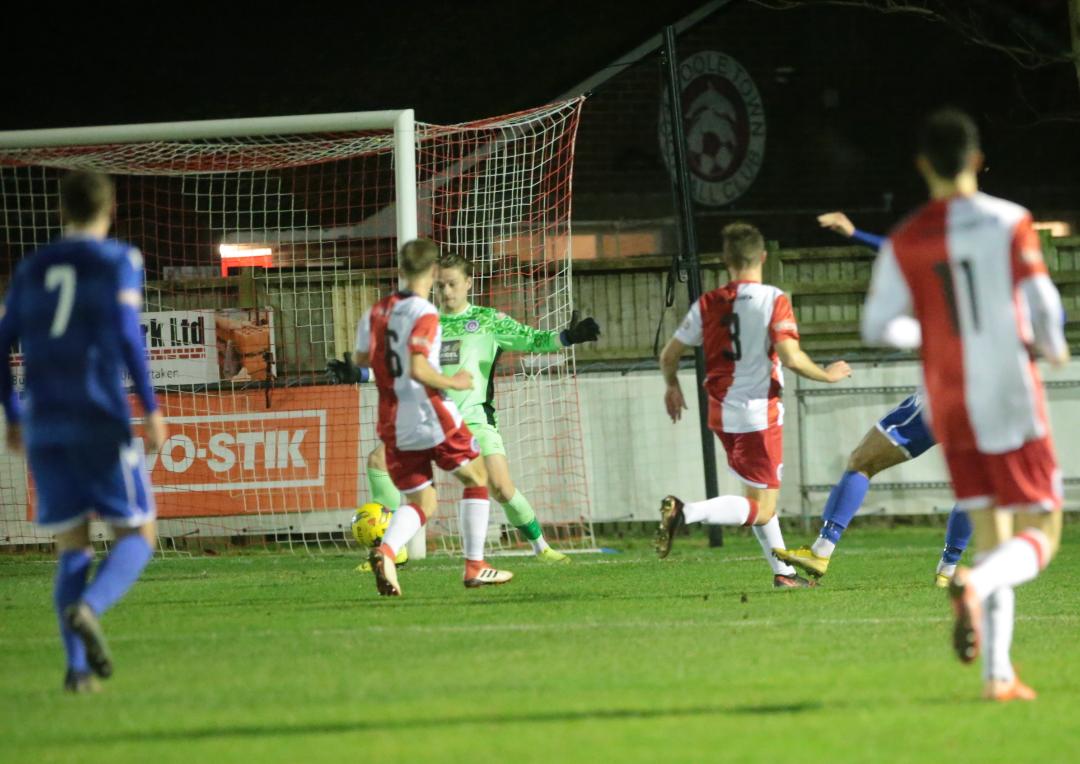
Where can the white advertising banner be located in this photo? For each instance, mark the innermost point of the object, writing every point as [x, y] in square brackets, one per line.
[181, 347]
[199, 347]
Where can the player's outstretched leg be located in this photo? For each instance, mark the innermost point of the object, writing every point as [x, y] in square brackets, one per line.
[844, 501]
[957, 536]
[408, 520]
[384, 493]
[967, 607]
[873, 454]
[771, 538]
[383, 490]
[115, 576]
[81, 619]
[521, 515]
[474, 510]
[381, 564]
[671, 520]
[1000, 681]
[758, 512]
[983, 595]
[722, 510]
[517, 508]
[73, 565]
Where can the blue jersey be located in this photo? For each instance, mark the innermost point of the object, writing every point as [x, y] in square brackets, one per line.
[74, 306]
[872, 239]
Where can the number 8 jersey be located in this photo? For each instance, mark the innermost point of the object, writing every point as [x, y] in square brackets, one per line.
[412, 416]
[739, 325]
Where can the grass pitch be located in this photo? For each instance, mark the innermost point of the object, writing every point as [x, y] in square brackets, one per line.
[614, 658]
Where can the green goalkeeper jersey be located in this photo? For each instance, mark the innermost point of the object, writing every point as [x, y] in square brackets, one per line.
[473, 340]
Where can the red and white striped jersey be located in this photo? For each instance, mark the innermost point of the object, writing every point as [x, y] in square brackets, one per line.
[970, 270]
[739, 325]
[412, 417]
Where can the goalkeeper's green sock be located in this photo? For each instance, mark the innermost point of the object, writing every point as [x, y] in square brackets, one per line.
[520, 514]
[383, 489]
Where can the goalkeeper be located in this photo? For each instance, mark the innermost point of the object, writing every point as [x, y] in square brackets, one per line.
[473, 338]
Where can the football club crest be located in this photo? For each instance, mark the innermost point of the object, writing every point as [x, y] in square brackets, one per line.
[472, 326]
[724, 119]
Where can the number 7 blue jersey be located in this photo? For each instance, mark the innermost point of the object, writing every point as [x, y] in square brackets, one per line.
[73, 306]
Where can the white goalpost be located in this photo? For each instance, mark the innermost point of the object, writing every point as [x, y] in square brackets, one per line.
[264, 241]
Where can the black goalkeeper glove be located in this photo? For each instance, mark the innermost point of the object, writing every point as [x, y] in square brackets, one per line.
[580, 330]
[345, 373]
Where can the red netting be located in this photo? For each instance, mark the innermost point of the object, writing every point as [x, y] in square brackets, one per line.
[262, 445]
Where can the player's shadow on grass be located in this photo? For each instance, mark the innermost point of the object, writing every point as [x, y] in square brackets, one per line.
[382, 725]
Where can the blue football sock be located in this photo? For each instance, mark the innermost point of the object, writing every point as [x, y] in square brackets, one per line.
[118, 572]
[844, 501]
[957, 536]
[71, 572]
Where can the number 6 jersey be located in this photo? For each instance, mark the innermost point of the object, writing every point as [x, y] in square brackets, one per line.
[739, 325]
[412, 416]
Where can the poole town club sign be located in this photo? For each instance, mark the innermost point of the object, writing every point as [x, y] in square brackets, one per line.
[724, 121]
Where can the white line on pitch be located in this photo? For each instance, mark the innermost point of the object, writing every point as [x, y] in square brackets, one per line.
[543, 627]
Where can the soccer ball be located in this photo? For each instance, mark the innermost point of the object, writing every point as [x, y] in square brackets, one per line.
[369, 524]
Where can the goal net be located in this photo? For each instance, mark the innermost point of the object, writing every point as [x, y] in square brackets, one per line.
[264, 242]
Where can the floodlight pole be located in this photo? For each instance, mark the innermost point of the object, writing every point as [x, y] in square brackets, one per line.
[688, 258]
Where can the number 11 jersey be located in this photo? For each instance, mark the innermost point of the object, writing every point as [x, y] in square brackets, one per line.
[412, 416]
[958, 265]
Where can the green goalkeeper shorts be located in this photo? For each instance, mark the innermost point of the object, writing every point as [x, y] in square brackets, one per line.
[488, 438]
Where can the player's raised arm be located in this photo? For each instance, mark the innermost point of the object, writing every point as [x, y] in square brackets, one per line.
[513, 335]
[784, 335]
[887, 315]
[516, 336]
[840, 223]
[9, 335]
[580, 330]
[795, 358]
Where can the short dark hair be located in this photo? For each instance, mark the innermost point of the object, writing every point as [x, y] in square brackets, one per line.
[417, 256]
[85, 196]
[744, 246]
[947, 139]
[454, 260]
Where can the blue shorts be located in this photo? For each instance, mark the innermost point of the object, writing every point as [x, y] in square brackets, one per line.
[906, 428]
[72, 482]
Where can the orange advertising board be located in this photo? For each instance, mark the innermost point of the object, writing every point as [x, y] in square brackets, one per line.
[228, 454]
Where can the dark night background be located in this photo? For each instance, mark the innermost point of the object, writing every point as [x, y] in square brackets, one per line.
[843, 87]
